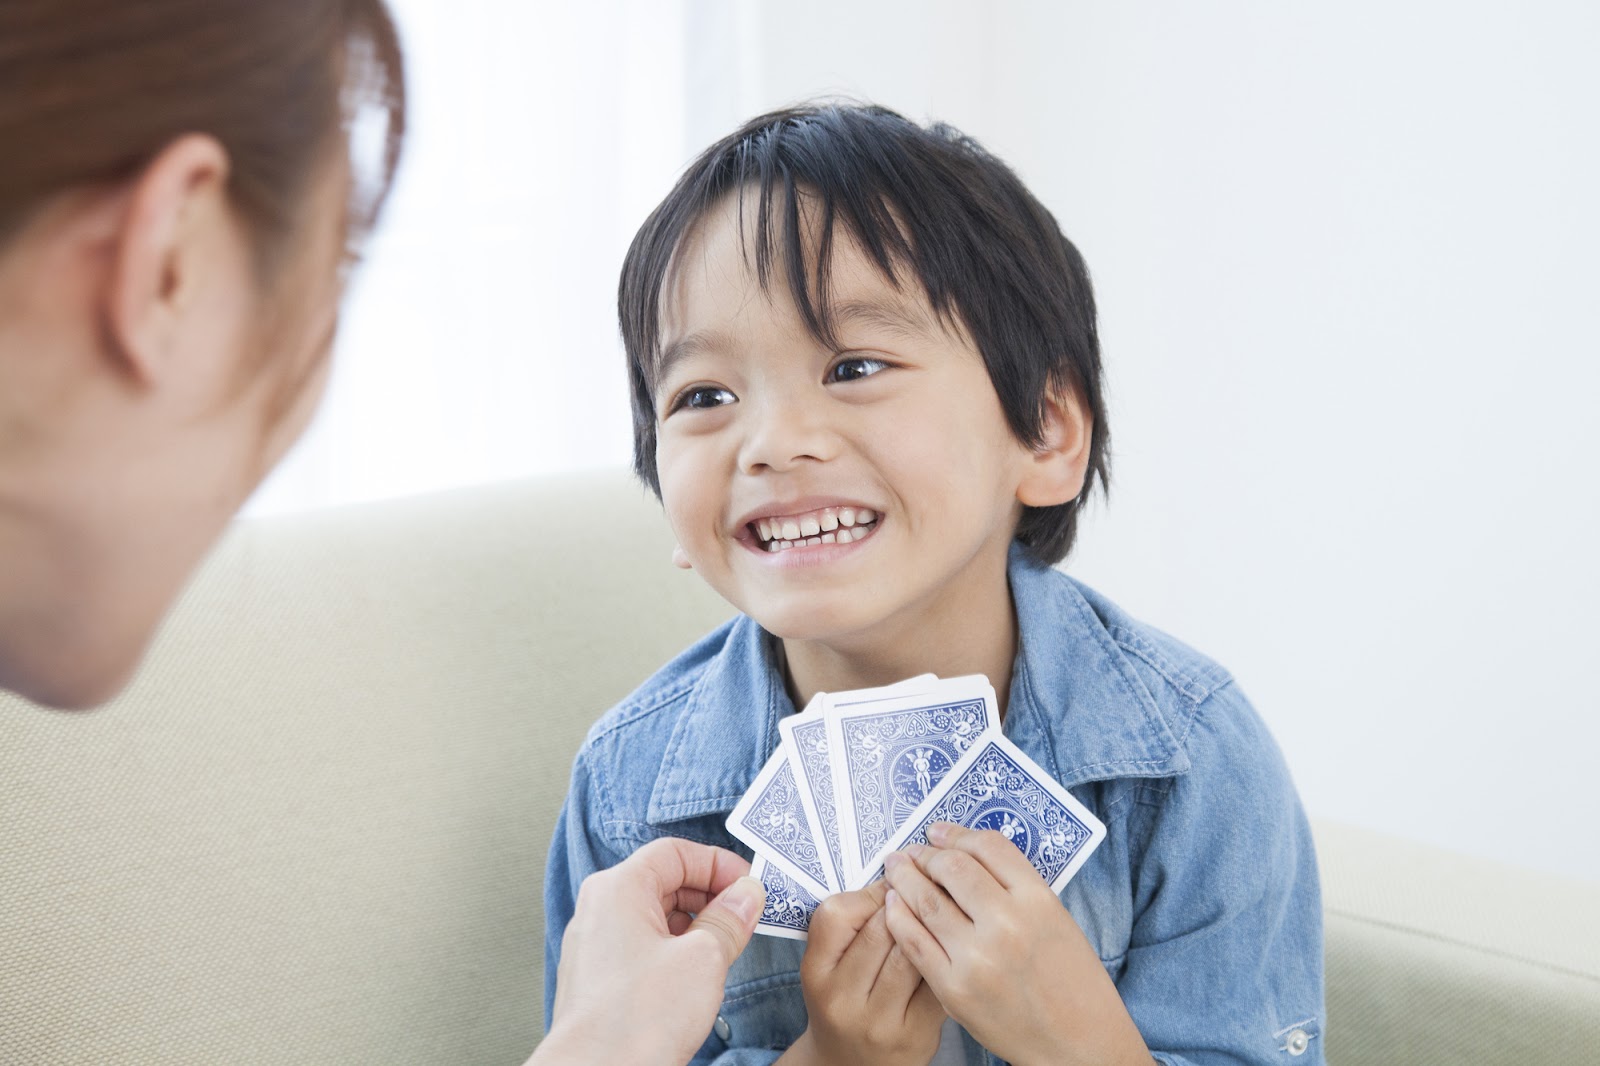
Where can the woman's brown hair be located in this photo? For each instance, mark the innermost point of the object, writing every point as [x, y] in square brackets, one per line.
[92, 90]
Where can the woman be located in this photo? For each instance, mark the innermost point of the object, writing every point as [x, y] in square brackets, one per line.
[178, 210]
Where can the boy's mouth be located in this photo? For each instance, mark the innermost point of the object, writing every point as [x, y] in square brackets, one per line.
[828, 525]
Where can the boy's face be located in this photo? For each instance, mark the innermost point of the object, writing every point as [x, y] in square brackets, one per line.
[767, 438]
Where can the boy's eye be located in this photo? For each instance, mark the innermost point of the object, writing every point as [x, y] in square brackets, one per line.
[854, 368]
[702, 397]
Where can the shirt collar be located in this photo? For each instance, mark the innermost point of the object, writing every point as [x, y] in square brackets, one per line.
[1076, 705]
[725, 730]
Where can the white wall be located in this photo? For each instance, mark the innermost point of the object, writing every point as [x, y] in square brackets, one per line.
[1348, 258]
[480, 339]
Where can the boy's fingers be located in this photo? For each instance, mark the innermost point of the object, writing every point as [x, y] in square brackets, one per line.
[897, 981]
[924, 1007]
[731, 918]
[863, 959]
[967, 881]
[919, 946]
[834, 927]
[933, 907]
[876, 892]
[1003, 859]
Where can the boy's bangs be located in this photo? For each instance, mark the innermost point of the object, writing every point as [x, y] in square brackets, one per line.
[796, 231]
[792, 195]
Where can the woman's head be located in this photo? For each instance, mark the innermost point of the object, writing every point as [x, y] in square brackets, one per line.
[178, 206]
[92, 90]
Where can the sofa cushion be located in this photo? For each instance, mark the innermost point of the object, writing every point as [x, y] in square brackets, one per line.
[1436, 959]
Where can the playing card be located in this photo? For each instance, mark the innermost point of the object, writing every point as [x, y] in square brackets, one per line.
[996, 786]
[788, 909]
[805, 737]
[772, 821]
[789, 905]
[888, 755]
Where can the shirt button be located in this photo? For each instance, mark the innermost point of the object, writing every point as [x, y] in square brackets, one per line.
[724, 1030]
[1296, 1045]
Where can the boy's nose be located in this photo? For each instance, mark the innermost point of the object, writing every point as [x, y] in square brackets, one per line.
[785, 435]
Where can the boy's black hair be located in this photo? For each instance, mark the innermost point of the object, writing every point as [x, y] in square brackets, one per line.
[928, 201]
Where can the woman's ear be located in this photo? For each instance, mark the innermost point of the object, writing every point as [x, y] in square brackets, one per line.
[162, 249]
[1055, 470]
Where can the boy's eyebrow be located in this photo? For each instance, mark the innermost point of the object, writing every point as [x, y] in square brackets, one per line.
[685, 346]
[893, 315]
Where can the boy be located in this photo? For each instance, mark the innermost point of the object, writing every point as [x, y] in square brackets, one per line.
[866, 387]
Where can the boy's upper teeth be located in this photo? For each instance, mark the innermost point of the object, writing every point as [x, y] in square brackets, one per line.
[803, 526]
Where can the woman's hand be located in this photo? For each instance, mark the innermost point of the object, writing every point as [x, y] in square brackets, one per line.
[646, 954]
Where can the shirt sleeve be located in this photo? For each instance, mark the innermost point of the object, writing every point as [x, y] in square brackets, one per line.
[1224, 965]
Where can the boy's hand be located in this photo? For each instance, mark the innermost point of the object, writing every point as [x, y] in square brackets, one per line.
[866, 1002]
[1004, 956]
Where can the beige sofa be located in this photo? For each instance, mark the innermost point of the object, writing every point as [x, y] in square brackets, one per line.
[314, 829]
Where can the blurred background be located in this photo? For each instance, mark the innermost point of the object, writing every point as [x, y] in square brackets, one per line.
[1347, 258]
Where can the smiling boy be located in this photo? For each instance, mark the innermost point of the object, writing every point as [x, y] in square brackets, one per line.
[866, 386]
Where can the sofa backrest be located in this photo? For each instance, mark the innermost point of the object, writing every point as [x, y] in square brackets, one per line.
[314, 829]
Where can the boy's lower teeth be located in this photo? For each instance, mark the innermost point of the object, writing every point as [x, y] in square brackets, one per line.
[842, 535]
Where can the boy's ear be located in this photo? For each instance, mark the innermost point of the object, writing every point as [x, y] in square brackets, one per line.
[1056, 469]
[680, 558]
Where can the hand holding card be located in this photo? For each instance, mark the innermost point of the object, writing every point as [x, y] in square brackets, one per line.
[865, 1002]
[1008, 962]
[998, 787]
[861, 774]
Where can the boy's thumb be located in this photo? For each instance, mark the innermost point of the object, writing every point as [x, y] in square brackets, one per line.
[731, 917]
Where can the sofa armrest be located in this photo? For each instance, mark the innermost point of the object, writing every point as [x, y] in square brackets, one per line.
[1437, 958]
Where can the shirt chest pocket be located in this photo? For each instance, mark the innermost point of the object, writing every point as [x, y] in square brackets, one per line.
[761, 1004]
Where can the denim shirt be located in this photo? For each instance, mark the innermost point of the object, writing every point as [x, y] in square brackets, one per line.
[1202, 902]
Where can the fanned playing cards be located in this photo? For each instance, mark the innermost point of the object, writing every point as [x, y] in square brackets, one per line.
[861, 774]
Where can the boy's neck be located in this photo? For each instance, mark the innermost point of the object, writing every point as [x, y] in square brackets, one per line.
[979, 639]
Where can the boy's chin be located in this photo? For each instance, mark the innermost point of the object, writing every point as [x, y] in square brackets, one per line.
[805, 624]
